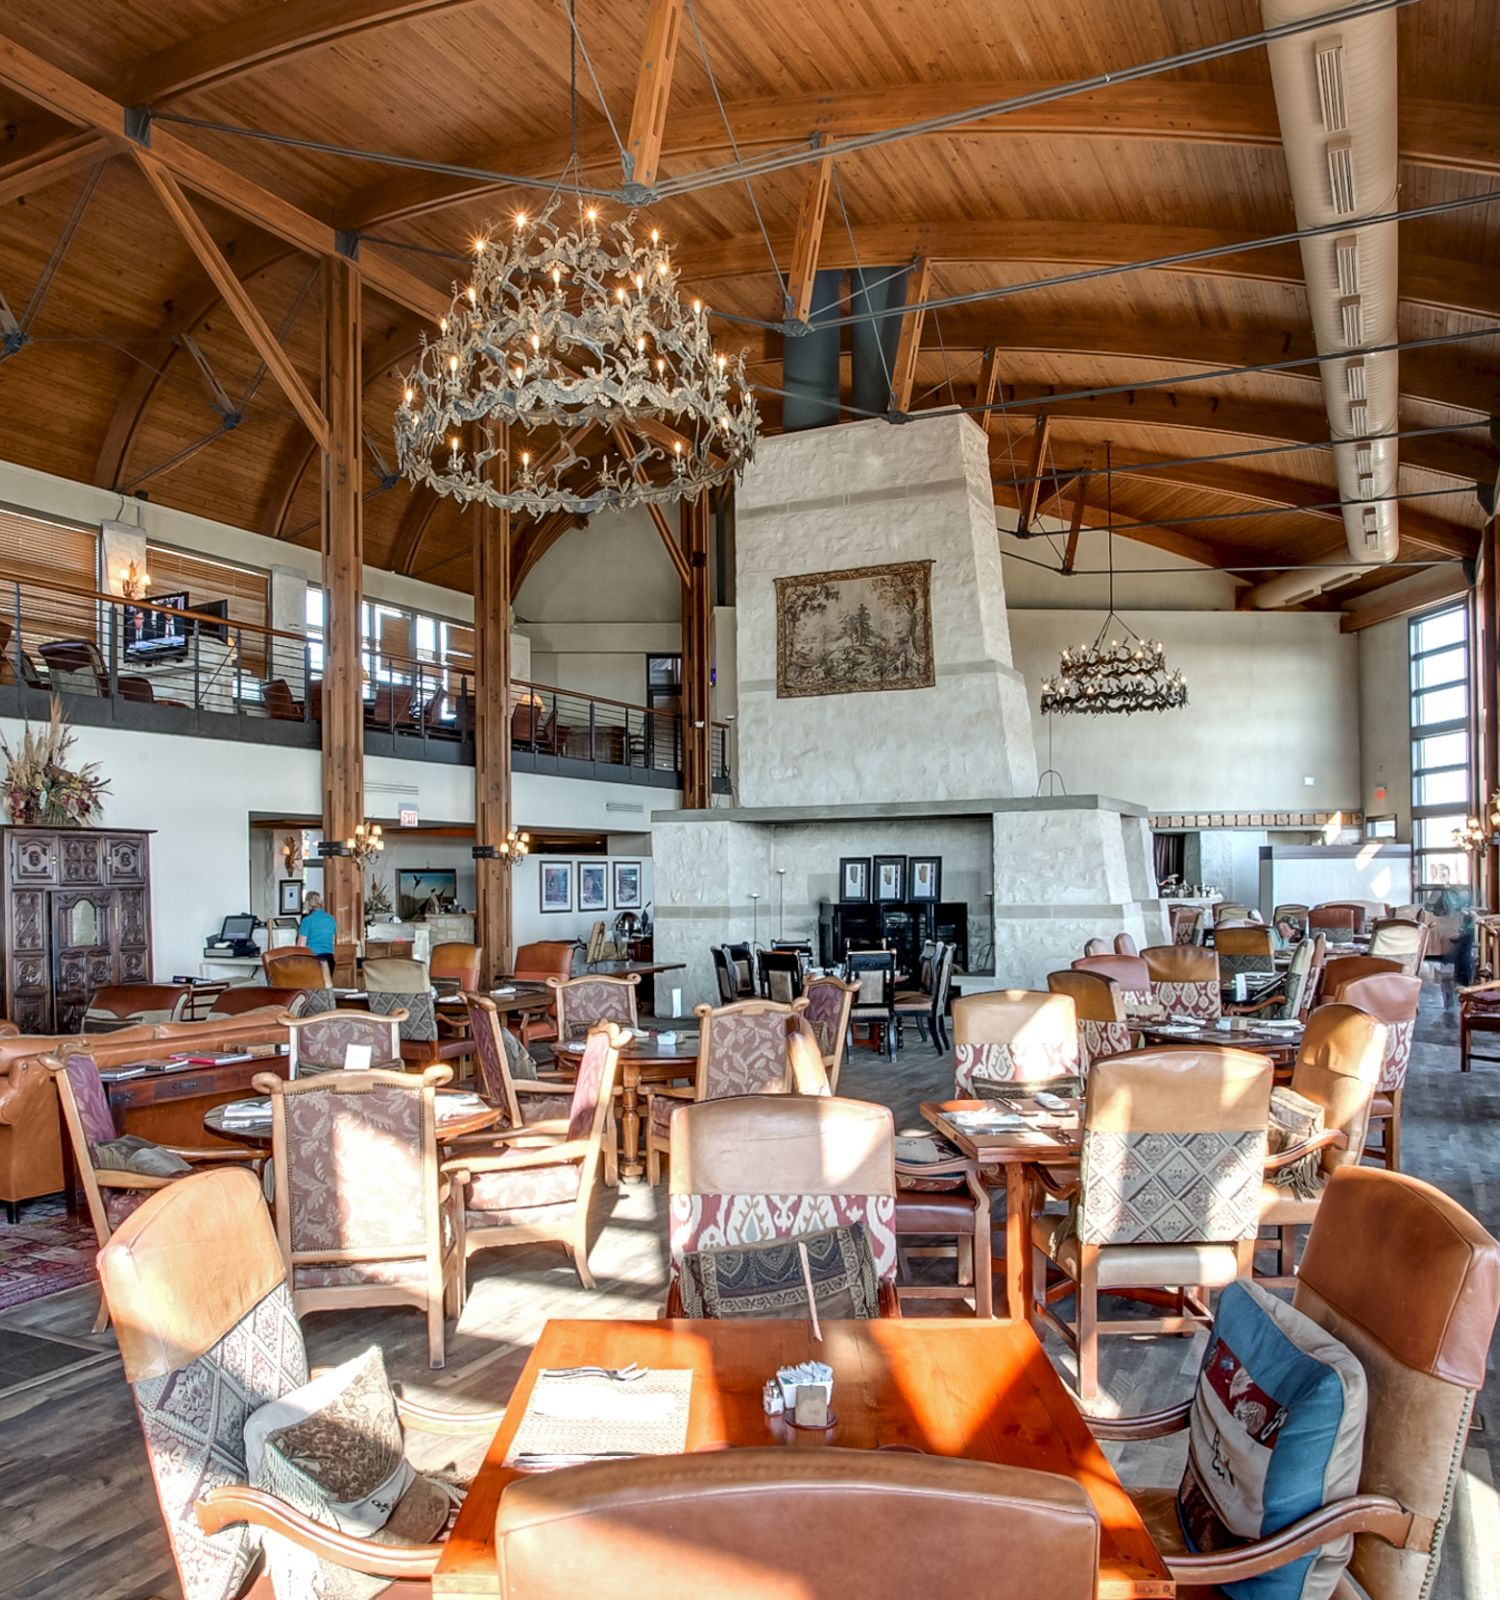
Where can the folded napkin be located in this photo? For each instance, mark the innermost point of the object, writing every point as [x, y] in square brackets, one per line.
[987, 1121]
[245, 1111]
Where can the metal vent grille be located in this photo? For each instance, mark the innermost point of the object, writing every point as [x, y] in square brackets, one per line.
[1341, 177]
[1331, 101]
[1346, 263]
[1359, 417]
[1352, 319]
[1354, 380]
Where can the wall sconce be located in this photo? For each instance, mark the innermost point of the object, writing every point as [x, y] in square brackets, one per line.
[511, 848]
[133, 582]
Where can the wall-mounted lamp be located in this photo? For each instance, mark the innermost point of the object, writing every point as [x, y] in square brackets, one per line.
[133, 582]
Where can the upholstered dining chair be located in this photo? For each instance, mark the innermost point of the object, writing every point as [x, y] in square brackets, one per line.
[1233, 911]
[1126, 946]
[940, 1195]
[457, 964]
[1099, 947]
[829, 1003]
[779, 975]
[878, 1524]
[742, 1049]
[1478, 1013]
[1130, 973]
[1409, 1283]
[111, 1190]
[1402, 941]
[1185, 923]
[1099, 1008]
[742, 959]
[1289, 919]
[1185, 980]
[1008, 1038]
[1337, 1069]
[724, 977]
[208, 1334]
[536, 963]
[537, 1183]
[362, 1216]
[1292, 999]
[239, 998]
[583, 1003]
[133, 1005]
[755, 1168]
[1339, 971]
[508, 1077]
[930, 1011]
[874, 973]
[1167, 1194]
[300, 969]
[1337, 923]
[398, 984]
[320, 1042]
[1391, 998]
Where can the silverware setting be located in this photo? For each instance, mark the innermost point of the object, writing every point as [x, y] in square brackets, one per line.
[614, 1374]
[543, 1461]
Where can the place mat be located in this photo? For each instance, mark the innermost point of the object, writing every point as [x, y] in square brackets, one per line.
[243, 1113]
[598, 1416]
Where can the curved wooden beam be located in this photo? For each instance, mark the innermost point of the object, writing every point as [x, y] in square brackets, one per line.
[266, 36]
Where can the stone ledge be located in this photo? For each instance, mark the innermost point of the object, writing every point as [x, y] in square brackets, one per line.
[899, 810]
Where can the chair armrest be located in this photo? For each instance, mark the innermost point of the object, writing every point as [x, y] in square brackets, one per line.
[110, 1178]
[958, 1167]
[237, 1502]
[229, 1152]
[434, 1419]
[1149, 1425]
[1480, 988]
[1330, 1137]
[462, 1168]
[1361, 1513]
[548, 1128]
[1248, 1008]
[1049, 1184]
[890, 1303]
[553, 1084]
[673, 1091]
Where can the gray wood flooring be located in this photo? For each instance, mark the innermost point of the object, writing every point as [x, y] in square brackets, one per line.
[78, 1518]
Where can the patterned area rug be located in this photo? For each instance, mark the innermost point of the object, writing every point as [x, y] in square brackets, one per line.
[45, 1252]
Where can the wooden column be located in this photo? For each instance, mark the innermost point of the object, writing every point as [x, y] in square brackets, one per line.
[343, 586]
[696, 698]
[1486, 656]
[493, 925]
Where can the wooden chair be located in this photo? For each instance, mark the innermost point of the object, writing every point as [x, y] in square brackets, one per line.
[239, 999]
[743, 1049]
[110, 1192]
[779, 973]
[1289, 920]
[1410, 1283]
[581, 1004]
[1292, 999]
[1185, 980]
[873, 972]
[1130, 973]
[724, 977]
[133, 1005]
[1185, 923]
[1133, 1221]
[1478, 1012]
[202, 1307]
[760, 1167]
[742, 959]
[1010, 1038]
[1337, 923]
[1099, 1009]
[1233, 911]
[536, 963]
[457, 964]
[360, 1208]
[1338, 1068]
[1391, 998]
[292, 968]
[930, 1011]
[395, 984]
[829, 1002]
[320, 1043]
[537, 1183]
[523, 1100]
[1402, 941]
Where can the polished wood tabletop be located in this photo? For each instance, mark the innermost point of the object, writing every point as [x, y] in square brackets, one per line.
[981, 1390]
[648, 1061]
[1280, 1044]
[455, 1111]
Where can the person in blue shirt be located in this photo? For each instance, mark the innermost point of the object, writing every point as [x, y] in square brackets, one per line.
[317, 929]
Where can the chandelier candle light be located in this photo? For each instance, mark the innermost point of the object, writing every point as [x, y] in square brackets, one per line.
[1125, 675]
[367, 843]
[581, 332]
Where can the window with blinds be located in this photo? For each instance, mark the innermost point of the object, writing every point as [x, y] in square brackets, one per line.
[206, 581]
[36, 554]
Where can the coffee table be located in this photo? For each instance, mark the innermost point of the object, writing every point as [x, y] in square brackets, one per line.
[984, 1391]
[643, 1061]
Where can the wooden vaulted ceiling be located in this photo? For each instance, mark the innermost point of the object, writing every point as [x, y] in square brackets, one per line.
[133, 356]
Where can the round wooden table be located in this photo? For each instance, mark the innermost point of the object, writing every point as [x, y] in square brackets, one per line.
[643, 1061]
[453, 1120]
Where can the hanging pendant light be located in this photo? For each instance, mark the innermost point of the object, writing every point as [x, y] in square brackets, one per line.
[1125, 675]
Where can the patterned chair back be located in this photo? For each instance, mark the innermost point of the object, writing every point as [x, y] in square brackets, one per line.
[1338, 1067]
[1336, 921]
[829, 1002]
[594, 1088]
[1013, 1036]
[1377, 1235]
[873, 972]
[1402, 941]
[749, 1170]
[197, 1291]
[355, 1157]
[1301, 976]
[1125, 945]
[1186, 921]
[297, 969]
[742, 1049]
[780, 976]
[1253, 939]
[320, 1043]
[1174, 1147]
[1185, 979]
[1292, 914]
[724, 977]
[456, 963]
[492, 1058]
[1128, 972]
[396, 984]
[1100, 1009]
[583, 1003]
[1391, 998]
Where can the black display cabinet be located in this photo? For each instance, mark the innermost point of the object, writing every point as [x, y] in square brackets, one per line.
[903, 925]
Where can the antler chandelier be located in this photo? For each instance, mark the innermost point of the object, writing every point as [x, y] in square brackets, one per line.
[584, 332]
[1126, 675]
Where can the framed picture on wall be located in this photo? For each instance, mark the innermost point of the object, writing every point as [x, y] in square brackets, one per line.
[890, 877]
[556, 885]
[627, 886]
[924, 877]
[854, 877]
[593, 886]
[289, 897]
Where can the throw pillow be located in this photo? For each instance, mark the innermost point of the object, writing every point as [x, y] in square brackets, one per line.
[766, 1280]
[1294, 1120]
[334, 1450]
[131, 1153]
[1277, 1430]
[518, 1058]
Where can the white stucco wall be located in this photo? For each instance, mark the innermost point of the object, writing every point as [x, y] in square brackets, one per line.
[1385, 720]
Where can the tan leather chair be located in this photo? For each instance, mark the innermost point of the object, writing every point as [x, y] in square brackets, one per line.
[1125, 945]
[1337, 1068]
[1253, 939]
[1130, 973]
[1410, 1283]
[1185, 980]
[457, 963]
[1366, 912]
[300, 969]
[1232, 911]
[1013, 1036]
[580, 1004]
[1099, 947]
[1391, 998]
[30, 1132]
[772, 1166]
[397, 985]
[1400, 940]
[132, 1005]
[196, 1263]
[1099, 1007]
[1135, 1225]
[535, 963]
[241, 999]
[1341, 970]
[806, 1524]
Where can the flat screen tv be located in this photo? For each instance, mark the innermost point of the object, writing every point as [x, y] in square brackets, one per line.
[146, 624]
[425, 889]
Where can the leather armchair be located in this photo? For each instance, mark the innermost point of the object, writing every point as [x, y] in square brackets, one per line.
[535, 963]
[30, 1138]
[126, 1005]
[1099, 1006]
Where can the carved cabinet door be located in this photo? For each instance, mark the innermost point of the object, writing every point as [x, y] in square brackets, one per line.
[124, 859]
[84, 938]
[33, 857]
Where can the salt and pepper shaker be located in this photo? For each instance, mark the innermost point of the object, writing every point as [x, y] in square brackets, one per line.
[772, 1398]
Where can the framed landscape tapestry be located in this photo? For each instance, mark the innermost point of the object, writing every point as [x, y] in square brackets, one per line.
[850, 632]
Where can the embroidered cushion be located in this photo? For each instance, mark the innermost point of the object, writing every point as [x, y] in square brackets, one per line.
[1155, 1187]
[916, 1151]
[131, 1153]
[1016, 1061]
[712, 1221]
[1294, 1120]
[766, 1280]
[1277, 1430]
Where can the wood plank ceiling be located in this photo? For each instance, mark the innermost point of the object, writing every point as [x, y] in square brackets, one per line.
[110, 384]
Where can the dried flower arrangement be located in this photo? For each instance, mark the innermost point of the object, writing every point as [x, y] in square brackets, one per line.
[377, 899]
[39, 786]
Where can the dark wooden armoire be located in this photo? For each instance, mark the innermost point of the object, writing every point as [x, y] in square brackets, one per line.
[76, 906]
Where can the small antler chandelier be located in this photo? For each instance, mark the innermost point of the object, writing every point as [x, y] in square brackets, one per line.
[366, 842]
[582, 332]
[1126, 675]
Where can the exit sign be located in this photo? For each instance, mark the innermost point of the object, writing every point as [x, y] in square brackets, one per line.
[408, 816]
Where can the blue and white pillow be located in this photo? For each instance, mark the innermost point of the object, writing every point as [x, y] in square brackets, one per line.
[1277, 1430]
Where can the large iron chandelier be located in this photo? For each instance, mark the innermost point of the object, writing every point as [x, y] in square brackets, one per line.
[581, 331]
[1127, 674]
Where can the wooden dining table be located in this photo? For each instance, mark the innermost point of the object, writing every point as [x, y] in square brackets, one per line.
[648, 1062]
[1280, 1044]
[456, 1115]
[983, 1391]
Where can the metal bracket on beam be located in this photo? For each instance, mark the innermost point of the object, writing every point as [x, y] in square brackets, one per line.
[485, 852]
[138, 125]
[638, 194]
[346, 242]
[13, 341]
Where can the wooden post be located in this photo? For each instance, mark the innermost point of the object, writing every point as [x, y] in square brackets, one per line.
[1486, 656]
[343, 586]
[696, 698]
[909, 345]
[493, 927]
[806, 241]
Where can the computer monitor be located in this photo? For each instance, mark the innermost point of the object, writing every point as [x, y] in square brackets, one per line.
[212, 608]
[237, 930]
